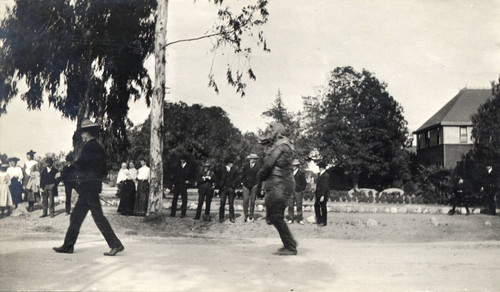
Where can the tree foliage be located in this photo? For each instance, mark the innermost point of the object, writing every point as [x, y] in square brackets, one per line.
[355, 124]
[201, 133]
[486, 129]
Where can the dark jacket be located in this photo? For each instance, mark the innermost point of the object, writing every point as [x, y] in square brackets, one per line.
[277, 162]
[300, 181]
[91, 165]
[181, 175]
[48, 178]
[323, 185]
[249, 175]
[226, 179]
[68, 174]
[490, 181]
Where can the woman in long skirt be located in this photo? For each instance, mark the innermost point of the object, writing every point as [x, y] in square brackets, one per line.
[5, 197]
[127, 200]
[16, 177]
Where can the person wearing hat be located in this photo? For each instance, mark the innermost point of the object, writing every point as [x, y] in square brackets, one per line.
[142, 193]
[277, 174]
[16, 177]
[68, 177]
[48, 183]
[90, 169]
[300, 185]
[5, 196]
[181, 179]
[226, 183]
[31, 179]
[249, 183]
[321, 195]
[205, 191]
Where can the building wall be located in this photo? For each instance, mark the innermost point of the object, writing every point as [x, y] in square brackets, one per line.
[451, 135]
[430, 156]
[454, 153]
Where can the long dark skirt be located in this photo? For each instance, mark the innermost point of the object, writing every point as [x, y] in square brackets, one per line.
[16, 190]
[127, 200]
[141, 198]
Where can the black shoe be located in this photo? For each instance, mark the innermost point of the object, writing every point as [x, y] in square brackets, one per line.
[67, 213]
[43, 216]
[322, 224]
[232, 220]
[196, 218]
[114, 251]
[52, 215]
[64, 249]
[221, 220]
[182, 216]
[285, 251]
[451, 212]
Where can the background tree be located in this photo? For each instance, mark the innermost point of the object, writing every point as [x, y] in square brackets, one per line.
[85, 56]
[201, 133]
[486, 129]
[355, 124]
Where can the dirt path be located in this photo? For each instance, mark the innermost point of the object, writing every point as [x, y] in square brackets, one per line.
[189, 264]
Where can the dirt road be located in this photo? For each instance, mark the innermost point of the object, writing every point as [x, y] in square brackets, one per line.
[201, 264]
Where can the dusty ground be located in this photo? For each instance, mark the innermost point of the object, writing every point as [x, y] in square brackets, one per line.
[404, 252]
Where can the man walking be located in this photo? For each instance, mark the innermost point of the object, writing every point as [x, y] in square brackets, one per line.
[249, 182]
[277, 173]
[297, 197]
[91, 169]
[48, 184]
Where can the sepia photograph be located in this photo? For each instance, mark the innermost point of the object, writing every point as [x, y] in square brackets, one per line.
[250, 145]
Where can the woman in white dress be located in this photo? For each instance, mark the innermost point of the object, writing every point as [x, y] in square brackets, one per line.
[32, 179]
[5, 197]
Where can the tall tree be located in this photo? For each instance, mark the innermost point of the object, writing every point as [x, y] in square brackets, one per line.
[355, 124]
[279, 113]
[85, 56]
[486, 129]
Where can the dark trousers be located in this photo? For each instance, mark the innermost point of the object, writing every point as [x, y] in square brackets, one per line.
[48, 199]
[88, 199]
[227, 193]
[68, 189]
[205, 194]
[182, 190]
[275, 215]
[249, 196]
[296, 198]
[320, 210]
[492, 206]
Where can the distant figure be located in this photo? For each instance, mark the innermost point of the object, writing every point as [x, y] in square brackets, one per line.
[31, 179]
[91, 170]
[322, 191]
[277, 172]
[142, 193]
[127, 199]
[181, 179]
[297, 197]
[68, 177]
[205, 191]
[227, 181]
[461, 193]
[48, 185]
[120, 179]
[490, 186]
[249, 182]
[16, 177]
[5, 196]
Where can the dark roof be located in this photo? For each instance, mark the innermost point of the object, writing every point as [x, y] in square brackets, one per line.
[458, 111]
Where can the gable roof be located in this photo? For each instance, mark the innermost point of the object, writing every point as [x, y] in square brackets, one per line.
[458, 111]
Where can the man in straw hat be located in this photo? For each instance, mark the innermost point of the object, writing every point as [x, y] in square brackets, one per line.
[91, 169]
[249, 182]
[277, 173]
[296, 198]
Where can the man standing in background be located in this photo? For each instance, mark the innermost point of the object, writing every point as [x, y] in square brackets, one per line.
[249, 182]
[48, 184]
[297, 197]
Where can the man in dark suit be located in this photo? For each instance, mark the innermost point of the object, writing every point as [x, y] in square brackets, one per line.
[322, 191]
[68, 176]
[249, 182]
[227, 181]
[490, 187]
[181, 180]
[91, 169]
[297, 197]
[205, 191]
[48, 184]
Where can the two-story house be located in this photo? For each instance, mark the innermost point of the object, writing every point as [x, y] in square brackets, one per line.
[446, 136]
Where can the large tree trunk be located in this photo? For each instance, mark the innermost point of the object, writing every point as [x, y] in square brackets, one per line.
[157, 127]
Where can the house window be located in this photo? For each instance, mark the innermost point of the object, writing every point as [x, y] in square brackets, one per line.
[463, 134]
[434, 137]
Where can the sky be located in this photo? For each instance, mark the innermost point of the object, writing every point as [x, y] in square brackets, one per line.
[425, 51]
